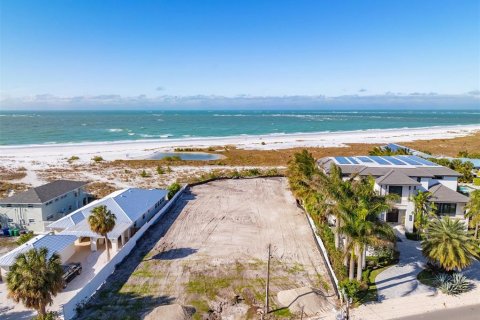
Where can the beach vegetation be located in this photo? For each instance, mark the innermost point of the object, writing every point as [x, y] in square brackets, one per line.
[144, 174]
[34, 279]
[173, 189]
[476, 181]
[102, 221]
[466, 154]
[387, 151]
[172, 158]
[160, 170]
[473, 211]
[72, 159]
[448, 245]
[25, 238]
[97, 159]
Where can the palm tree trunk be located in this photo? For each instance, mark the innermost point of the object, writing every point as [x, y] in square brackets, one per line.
[108, 248]
[337, 232]
[359, 263]
[352, 265]
[364, 258]
[476, 231]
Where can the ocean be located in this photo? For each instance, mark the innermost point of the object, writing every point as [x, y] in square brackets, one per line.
[59, 127]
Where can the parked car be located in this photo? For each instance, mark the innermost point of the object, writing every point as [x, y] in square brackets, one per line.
[70, 271]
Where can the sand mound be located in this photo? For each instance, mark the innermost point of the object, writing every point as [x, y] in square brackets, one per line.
[312, 302]
[171, 312]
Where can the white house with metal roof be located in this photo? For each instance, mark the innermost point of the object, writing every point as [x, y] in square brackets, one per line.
[36, 207]
[132, 207]
[405, 176]
[60, 244]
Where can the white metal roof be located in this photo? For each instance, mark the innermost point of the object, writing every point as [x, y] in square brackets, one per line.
[128, 205]
[54, 243]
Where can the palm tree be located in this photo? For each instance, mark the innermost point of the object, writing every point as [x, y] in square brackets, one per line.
[335, 193]
[448, 244]
[361, 224]
[423, 210]
[34, 279]
[102, 221]
[473, 212]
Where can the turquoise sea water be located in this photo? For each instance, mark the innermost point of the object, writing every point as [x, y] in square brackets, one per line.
[53, 127]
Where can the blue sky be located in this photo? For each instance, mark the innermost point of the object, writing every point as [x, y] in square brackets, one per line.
[75, 53]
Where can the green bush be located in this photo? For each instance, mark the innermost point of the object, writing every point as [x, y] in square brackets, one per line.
[73, 158]
[351, 287]
[24, 238]
[476, 181]
[97, 158]
[51, 315]
[160, 170]
[144, 174]
[173, 189]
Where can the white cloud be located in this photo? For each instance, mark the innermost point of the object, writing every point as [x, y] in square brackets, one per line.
[389, 99]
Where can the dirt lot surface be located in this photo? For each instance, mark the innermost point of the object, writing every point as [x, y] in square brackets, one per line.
[210, 253]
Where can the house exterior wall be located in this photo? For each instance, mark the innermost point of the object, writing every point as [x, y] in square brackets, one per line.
[449, 182]
[34, 216]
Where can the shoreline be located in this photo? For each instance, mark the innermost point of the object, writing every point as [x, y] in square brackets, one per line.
[185, 139]
[142, 148]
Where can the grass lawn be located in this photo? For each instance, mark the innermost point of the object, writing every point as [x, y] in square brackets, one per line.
[370, 294]
[427, 278]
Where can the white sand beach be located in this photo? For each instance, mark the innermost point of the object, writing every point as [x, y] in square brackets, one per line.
[141, 149]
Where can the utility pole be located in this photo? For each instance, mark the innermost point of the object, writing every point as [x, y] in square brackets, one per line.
[267, 285]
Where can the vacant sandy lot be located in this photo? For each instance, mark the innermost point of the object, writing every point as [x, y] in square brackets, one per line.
[210, 253]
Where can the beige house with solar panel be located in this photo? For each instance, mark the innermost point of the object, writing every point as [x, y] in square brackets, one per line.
[40, 206]
[405, 176]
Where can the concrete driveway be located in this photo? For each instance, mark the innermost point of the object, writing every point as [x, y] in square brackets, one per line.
[401, 280]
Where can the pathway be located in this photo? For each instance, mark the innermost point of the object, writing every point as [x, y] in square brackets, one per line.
[401, 280]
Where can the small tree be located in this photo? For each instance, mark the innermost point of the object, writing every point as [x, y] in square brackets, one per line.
[424, 209]
[102, 221]
[34, 278]
[24, 238]
[473, 211]
[144, 174]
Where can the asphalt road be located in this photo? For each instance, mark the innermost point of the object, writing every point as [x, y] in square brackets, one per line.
[463, 313]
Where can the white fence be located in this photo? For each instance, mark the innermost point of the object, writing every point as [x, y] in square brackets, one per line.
[324, 252]
[69, 308]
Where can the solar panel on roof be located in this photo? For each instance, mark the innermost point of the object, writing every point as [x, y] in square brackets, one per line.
[410, 161]
[422, 161]
[379, 160]
[352, 160]
[364, 159]
[342, 160]
[395, 161]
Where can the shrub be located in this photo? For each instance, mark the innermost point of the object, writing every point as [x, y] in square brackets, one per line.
[144, 174]
[350, 287]
[172, 158]
[173, 189]
[97, 158]
[73, 158]
[452, 284]
[24, 238]
[160, 170]
[476, 181]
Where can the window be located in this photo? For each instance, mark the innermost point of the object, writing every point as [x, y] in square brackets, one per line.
[69, 208]
[10, 220]
[419, 179]
[29, 205]
[31, 220]
[446, 209]
[9, 205]
[395, 190]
